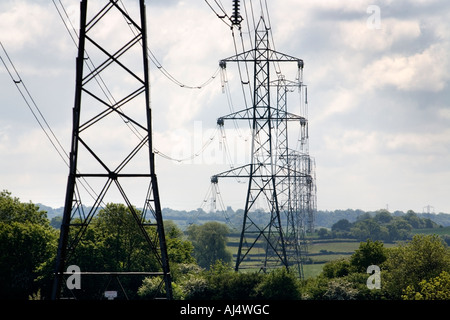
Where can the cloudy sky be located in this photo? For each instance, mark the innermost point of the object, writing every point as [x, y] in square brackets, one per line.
[378, 93]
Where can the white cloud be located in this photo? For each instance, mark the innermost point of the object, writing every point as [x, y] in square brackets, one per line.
[357, 36]
[24, 21]
[424, 71]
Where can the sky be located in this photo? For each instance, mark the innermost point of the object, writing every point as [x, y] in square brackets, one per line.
[378, 99]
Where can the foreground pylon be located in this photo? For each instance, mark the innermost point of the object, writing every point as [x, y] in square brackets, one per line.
[112, 113]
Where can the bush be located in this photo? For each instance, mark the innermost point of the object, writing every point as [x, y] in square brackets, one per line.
[423, 258]
[337, 268]
[279, 285]
[434, 289]
[369, 253]
[340, 289]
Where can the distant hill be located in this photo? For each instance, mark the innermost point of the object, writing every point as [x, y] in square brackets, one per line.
[323, 218]
[51, 212]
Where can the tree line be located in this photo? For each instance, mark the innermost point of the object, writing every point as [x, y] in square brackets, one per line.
[380, 226]
[200, 263]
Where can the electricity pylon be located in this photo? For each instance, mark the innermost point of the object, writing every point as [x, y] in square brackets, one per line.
[112, 92]
[275, 176]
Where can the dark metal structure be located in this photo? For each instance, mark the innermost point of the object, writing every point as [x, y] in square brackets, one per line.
[98, 176]
[280, 200]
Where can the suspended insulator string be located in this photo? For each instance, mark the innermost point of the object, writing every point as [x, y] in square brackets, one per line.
[220, 16]
[227, 151]
[219, 200]
[214, 199]
[226, 90]
[243, 81]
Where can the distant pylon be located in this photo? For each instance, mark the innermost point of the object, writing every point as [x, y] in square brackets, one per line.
[276, 177]
[100, 174]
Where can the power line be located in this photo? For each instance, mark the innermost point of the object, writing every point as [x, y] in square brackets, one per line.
[32, 106]
[39, 117]
[74, 36]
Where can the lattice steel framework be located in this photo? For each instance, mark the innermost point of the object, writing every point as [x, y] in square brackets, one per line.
[277, 175]
[98, 176]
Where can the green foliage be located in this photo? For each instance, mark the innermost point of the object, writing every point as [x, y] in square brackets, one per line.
[417, 269]
[437, 288]
[406, 269]
[210, 243]
[114, 242]
[191, 281]
[279, 285]
[226, 284]
[337, 268]
[12, 210]
[382, 226]
[341, 225]
[154, 288]
[340, 289]
[423, 258]
[221, 282]
[369, 253]
[383, 217]
[27, 248]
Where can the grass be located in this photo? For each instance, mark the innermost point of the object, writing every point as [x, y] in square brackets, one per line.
[320, 251]
[439, 231]
[331, 246]
[312, 270]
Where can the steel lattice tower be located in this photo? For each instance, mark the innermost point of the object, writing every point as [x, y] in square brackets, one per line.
[97, 176]
[277, 175]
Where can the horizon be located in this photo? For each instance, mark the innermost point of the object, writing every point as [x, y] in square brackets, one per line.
[235, 210]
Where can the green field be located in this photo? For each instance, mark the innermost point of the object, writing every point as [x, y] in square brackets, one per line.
[319, 252]
[439, 231]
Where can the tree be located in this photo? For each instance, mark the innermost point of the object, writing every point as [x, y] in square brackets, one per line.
[368, 253]
[114, 242]
[336, 268]
[27, 249]
[341, 225]
[437, 288]
[12, 210]
[365, 229]
[209, 241]
[423, 258]
[120, 240]
[413, 220]
[383, 216]
[279, 284]
[340, 289]
[399, 229]
[323, 233]
[178, 249]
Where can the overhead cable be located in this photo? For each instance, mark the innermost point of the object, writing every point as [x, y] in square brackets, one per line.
[37, 114]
